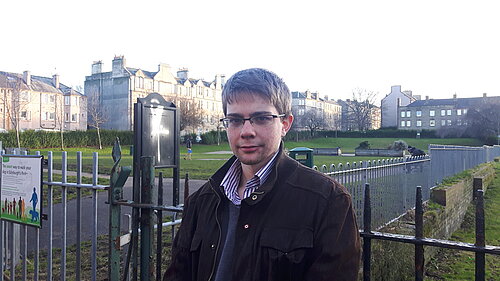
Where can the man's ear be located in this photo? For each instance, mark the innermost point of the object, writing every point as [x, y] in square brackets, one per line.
[287, 124]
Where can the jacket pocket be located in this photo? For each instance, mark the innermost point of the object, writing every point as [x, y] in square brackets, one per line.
[286, 245]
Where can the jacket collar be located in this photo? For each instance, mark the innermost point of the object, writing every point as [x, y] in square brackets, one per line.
[281, 171]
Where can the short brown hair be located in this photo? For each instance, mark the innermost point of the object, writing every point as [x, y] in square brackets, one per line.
[261, 82]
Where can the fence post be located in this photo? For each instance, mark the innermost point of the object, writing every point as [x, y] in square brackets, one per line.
[159, 239]
[419, 234]
[480, 232]
[146, 219]
[367, 228]
[117, 181]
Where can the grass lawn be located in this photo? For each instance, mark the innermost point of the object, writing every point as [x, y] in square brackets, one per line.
[459, 265]
[203, 165]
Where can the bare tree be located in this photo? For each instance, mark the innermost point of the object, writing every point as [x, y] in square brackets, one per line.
[314, 120]
[191, 114]
[483, 121]
[15, 101]
[96, 115]
[360, 109]
[60, 115]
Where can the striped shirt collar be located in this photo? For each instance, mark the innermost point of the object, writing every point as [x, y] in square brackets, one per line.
[232, 179]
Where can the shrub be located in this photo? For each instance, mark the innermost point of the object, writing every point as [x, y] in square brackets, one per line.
[398, 145]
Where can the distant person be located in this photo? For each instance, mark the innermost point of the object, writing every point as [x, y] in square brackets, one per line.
[189, 146]
[264, 216]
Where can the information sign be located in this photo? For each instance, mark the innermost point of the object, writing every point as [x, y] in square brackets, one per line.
[21, 189]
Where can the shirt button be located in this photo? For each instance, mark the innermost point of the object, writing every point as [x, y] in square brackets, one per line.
[254, 197]
[212, 246]
[246, 226]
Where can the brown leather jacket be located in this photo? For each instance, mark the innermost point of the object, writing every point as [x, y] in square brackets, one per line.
[299, 225]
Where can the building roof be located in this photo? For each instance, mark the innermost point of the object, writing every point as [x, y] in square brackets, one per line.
[38, 83]
[459, 102]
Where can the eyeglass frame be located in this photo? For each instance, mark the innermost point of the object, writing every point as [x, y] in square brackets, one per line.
[249, 119]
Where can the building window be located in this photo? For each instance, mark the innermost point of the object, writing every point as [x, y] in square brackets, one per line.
[443, 112]
[66, 117]
[403, 114]
[25, 96]
[459, 122]
[74, 117]
[52, 116]
[418, 113]
[419, 123]
[432, 113]
[408, 123]
[448, 112]
[75, 100]
[443, 122]
[432, 123]
[403, 123]
[448, 122]
[67, 100]
[52, 98]
[46, 98]
[459, 112]
[464, 111]
[408, 113]
[25, 115]
[301, 111]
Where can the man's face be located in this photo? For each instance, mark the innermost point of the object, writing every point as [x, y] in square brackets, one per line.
[254, 145]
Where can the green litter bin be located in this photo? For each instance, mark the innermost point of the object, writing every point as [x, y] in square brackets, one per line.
[303, 155]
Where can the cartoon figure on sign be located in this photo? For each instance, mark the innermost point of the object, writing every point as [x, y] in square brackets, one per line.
[34, 199]
[20, 207]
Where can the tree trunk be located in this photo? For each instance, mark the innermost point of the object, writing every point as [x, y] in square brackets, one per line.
[99, 137]
[62, 139]
[17, 136]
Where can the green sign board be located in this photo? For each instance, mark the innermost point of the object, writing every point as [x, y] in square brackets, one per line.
[21, 189]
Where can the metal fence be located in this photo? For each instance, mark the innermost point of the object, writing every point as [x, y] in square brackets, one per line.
[392, 183]
[56, 229]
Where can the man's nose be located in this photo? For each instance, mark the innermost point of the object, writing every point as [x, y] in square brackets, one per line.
[247, 129]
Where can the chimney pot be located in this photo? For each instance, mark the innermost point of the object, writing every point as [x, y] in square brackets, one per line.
[484, 95]
[426, 97]
[454, 96]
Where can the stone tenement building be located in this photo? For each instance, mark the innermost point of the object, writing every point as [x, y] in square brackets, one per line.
[433, 114]
[328, 111]
[390, 104]
[36, 102]
[366, 117]
[116, 92]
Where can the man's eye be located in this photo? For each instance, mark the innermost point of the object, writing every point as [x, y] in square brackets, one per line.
[235, 121]
[262, 118]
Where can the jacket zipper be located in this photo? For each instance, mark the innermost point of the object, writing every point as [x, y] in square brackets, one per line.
[220, 232]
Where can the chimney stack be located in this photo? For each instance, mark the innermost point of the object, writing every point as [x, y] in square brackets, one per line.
[484, 95]
[97, 67]
[183, 73]
[426, 97]
[27, 77]
[454, 96]
[55, 80]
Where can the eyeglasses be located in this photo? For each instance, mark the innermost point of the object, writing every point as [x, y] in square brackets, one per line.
[260, 121]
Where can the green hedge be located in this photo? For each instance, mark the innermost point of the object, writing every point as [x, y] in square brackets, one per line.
[382, 133]
[43, 139]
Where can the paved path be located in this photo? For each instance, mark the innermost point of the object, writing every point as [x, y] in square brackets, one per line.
[102, 213]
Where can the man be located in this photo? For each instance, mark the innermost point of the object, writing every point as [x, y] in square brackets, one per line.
[264, 216]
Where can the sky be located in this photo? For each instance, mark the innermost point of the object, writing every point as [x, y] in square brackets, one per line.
[433, 48]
